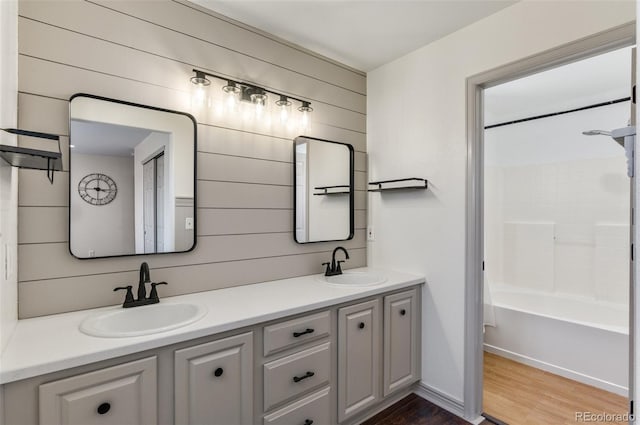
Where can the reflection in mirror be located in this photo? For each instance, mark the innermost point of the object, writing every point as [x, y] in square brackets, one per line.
[323, 190]
[132, 179]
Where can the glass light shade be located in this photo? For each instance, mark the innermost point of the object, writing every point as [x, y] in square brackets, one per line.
[284, 109]
[231, 96]
[200, 91]
[259, 100]
[305, 122]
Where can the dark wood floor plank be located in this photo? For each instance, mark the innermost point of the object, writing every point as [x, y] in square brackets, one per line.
[414, 410]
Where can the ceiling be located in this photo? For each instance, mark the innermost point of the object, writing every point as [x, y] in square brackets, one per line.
[590, 81]
[96, 138]
[363, 34]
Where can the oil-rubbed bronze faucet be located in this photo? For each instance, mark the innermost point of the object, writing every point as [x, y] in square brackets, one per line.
[145, 276]
[334, 268]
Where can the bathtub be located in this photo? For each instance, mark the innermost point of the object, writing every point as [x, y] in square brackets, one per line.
[577, 338]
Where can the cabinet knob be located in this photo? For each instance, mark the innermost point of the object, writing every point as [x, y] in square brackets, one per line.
[307, 422]
[218, 372]
[403, 312]
[361, 325]
[104, 408]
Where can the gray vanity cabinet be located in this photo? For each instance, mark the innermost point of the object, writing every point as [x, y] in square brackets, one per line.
[334, 365]
[400, 340]
[358, 358]
[120, 395]
[214, 382]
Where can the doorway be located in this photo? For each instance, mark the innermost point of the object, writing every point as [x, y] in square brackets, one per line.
[556, 243]
[153, 203]
[474, 314]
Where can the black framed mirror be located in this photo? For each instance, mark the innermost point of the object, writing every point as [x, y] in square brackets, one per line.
[323, 190]
[132, 178]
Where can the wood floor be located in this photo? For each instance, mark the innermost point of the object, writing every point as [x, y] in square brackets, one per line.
[515, 394]
[522, 395]
[414, 410]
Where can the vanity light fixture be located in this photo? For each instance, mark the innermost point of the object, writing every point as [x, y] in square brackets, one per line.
[237, 91]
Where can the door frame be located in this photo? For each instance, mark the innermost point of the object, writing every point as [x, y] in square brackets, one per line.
[615, 38]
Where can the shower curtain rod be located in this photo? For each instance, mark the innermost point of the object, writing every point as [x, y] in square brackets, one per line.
[552, 114]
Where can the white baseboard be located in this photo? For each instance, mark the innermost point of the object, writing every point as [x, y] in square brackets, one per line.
[440, 399]
[557, 370]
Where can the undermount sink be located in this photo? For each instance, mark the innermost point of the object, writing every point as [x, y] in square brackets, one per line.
[354, 279]
[145, 320]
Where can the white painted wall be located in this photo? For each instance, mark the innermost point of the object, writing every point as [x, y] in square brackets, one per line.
[104, 229]
[8, 175]
[557, 205]
[416, 128]
[327, 216]
[179, 126]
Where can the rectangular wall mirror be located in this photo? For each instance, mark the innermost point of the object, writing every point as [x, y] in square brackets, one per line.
[323, 195]
[132, 179]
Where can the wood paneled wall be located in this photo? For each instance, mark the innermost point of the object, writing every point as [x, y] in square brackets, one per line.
[143, 52]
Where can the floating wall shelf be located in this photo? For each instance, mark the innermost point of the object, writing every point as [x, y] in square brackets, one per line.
[412, 183]
[333, 190]
[34, 159]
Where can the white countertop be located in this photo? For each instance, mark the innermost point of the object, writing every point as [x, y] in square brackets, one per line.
[51, 343]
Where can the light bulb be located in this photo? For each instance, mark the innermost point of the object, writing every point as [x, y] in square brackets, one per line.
[304, 122]
[232, 95]
[304, 118]
[200, 91]
[284, 105]
[259, 99]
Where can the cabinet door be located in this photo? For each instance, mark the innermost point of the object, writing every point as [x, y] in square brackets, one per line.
[400, 340]
[358, 358]
[214, 382]
[119, 395]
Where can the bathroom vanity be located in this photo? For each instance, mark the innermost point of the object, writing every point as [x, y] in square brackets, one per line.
[293, 351]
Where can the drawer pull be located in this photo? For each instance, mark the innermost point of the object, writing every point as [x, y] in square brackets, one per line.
[403, 312]
[307, 422]
[306, 331]
[104, 408]
[361, 325]
[218, 372]
[305, 376]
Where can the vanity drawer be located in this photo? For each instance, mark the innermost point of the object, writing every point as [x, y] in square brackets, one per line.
[314, 409]
[290, 376]
[287, 334]
[118, 395]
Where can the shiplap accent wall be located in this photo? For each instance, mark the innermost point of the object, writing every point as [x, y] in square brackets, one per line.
[144, 52]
